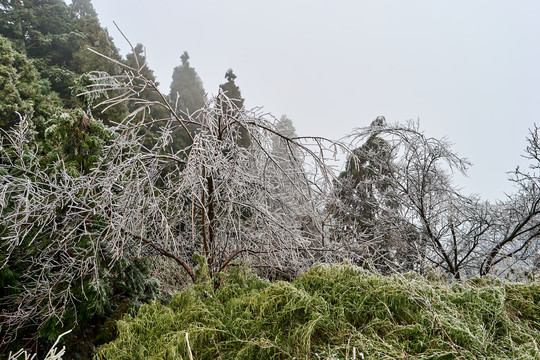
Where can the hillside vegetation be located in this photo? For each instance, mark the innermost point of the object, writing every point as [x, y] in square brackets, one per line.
[329, 311]
[113, 192]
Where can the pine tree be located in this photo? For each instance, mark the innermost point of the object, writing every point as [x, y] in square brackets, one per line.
[363, 180]
[187, 93]
[232, 92]
[287, 156]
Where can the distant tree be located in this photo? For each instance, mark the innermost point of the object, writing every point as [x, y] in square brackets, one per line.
[457, 234]
[363, 183]
[287, 157]
[83, 9]
[284, 126]
[419, 183]
[152, 116]
[232, 92]
[187, 93]
[363, 203]
[137, 59]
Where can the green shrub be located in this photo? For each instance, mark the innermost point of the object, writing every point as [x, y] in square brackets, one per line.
[329, 310]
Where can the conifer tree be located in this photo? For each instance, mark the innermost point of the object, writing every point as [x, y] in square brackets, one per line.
[43, 55]
[363, 191]
[83, 9]
[364, 180]
[234, 95]
[286, 156]
[21, 88]
[56, 38]
[187, 92]
[232, 90]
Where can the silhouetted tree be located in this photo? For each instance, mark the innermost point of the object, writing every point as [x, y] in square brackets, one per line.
[232, 92]
[187, 92]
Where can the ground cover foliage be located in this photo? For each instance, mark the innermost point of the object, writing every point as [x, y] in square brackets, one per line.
[328, 311]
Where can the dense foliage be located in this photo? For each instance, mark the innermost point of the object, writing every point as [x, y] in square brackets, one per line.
[328, 311]
[43, 69]
[114, 194]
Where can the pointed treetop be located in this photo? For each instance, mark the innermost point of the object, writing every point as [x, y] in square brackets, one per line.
[185, 59]
[139, 49]
[379, 121]
[187, 92]
[285, 127]
[230, 76]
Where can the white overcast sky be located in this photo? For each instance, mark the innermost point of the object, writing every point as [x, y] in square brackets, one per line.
[467, 69]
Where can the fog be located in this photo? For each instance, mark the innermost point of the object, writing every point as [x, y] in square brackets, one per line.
[467, 70]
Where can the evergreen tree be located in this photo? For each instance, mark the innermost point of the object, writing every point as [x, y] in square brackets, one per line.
[231, 107]
[56, 38]
[285, 127]
[21, 88]
[364, 201]
[187, 93]
[231, 90]
[287, 156]
[36, 26]
[364, 180]
[83, 9]
[45, 86]
[93, 36]
[71, 134]
[137, 60]
[288, 161]
[42, 58]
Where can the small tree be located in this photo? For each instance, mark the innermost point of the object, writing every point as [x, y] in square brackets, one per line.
[515, 223]
[218, 196]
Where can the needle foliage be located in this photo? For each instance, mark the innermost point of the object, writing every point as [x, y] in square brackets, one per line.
[328, 311]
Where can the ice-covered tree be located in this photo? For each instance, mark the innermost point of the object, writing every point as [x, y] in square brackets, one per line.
[207, 206]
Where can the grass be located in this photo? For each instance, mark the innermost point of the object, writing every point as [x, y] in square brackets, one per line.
[328, 311]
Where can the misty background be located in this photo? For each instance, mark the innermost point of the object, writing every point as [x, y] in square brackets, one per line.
[468, 70]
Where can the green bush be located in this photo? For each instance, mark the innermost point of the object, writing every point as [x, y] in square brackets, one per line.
[329, 310]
